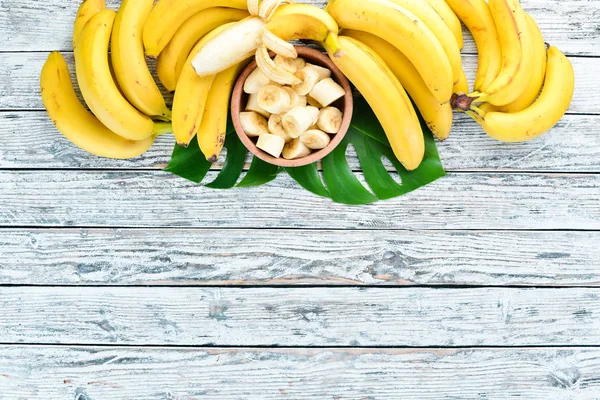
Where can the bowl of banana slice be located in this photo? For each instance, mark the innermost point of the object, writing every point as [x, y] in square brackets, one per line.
[294, 114]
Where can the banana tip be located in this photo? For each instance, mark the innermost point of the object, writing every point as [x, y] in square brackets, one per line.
[461, 102]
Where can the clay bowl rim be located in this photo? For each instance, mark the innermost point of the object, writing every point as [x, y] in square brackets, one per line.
[346, 105]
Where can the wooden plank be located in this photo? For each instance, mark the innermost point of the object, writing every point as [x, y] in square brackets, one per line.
[303, 317]
[29, 140]
[19, 81]
[157, 199]
[94, 373]
[46, 26]
[276, 257]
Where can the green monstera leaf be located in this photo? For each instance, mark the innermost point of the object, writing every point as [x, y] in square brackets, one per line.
[337, 180]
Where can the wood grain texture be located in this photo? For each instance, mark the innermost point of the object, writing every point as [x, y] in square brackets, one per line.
[158, 199]
[302, 317]
[29, 140]
[285, 257]
[571, 25]
[92, 373]
[19, 81]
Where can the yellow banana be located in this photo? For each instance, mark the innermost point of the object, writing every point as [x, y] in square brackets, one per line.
[86, 10]
[423, 11]
[129, 61]
[403, 30]
[98, 86]
[211, 135]
[191, 94]
[75, 122]
[543, 114]
[168, 15]
[477, 17]
[535, 83]
[381, 88]
[170, 61]
[450, 19]
[437, 116]
[303, 21]
[462, 86]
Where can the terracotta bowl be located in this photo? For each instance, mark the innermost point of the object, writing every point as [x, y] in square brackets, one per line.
[345, 104]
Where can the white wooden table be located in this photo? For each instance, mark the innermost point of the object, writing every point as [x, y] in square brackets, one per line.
[120, 281]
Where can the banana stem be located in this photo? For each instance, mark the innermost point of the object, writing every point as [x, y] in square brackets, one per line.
[162, 128]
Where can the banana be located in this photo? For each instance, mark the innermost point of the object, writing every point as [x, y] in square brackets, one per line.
[255, 81]
[298, 120]
[315, 139]
[274, 99]
[253, 6]
[538, 72]
[477, 17]
[543, 114]
[168, 15]
[437, 116]
[304, 21]
[272, 71]
[170, 61]
[98, 86]
[295, 99]
[76, 123]
[211, 135]
[427, 14]
[278, 45]
[295, 149]
[289, 64]
[232, 45]
[271, 144]
[450, 19]
[330, 120]
[517, 58]
[377, 83]
[268, 8]
[309, 75]
[253, 124]
[312, 102]
[406, 32]
[191, 94]
[327, 91]
[86, 10]
[276, 127]
[129, 61]
[462, 86]
[252, 105]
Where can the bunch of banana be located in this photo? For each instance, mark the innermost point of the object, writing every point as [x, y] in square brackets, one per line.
[522, 90]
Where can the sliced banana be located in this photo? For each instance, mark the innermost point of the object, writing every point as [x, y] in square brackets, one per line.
[287, 63]
[295, 99]
[315, 139]
[253, 105]
[253, 124]
[324, 73]
[271, 144]
[312, 102]
[278, 45]
[272, 71]
[330, 120]
[327, 91]
[309, 76]
[276, 128]
[295, 149]
[255, 81]
[298, 120]
[274, 99]
[300, 63]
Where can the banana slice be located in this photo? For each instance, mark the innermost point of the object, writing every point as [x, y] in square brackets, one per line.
[324, 73]
[315, 139]
[309, 76]
[276, 128]
[274, 99]
[271, 144]
[254, 106]
[255, 81]
[299, 119]
[300, 63]
[253, 124]
[295, 99]
[287, 63]
[278, 45]
[312, 102]
[295, 149]
[330, 120]
[327, 91]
